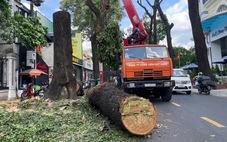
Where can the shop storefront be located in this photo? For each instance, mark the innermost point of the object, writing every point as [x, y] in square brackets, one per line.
[78, 68]
[88, 70]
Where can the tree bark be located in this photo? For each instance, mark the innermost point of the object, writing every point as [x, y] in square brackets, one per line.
[63, 85]
[168, 28]
[95, 59]
[155, 21]
[151, 30]
[94, 56]
[199, 39]
[136, 114]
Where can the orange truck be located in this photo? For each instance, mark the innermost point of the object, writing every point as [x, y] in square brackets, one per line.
[146, 69]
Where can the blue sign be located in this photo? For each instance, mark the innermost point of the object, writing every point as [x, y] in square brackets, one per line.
[220, 31]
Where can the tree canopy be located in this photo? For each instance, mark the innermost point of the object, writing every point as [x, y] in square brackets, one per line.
[160, 29]
[83, 17]
[109, 43]
[29, 31]
[92, 17]
[6, 21]
[186, 56]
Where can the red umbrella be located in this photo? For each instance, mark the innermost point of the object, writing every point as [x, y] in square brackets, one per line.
[33, 72]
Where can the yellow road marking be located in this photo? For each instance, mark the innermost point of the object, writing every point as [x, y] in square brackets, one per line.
[176, 104]
[213, 122]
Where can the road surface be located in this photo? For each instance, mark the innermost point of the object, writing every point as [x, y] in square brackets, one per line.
[191, 118]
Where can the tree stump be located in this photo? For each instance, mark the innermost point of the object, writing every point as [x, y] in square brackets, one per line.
[63, 84]
[135, 114]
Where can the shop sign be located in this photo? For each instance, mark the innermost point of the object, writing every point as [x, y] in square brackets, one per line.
[88, 65]
[219, 32]
[77, 60]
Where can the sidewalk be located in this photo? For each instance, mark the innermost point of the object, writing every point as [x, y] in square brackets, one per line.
[214, 92]
[3, 95]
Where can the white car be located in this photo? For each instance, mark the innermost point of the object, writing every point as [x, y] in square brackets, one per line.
[182, 81]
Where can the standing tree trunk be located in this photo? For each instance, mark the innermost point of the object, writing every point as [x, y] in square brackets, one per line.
[168, 28]
[199, 39]
[152, 31]
[155, 41]
[97, 14]
[63, 85]
[94, 56]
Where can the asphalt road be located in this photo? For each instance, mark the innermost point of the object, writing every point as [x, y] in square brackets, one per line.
[191, 118]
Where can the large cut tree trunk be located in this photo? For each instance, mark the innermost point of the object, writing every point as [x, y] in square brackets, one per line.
[133, 113]
[63, 84]
[199, 39]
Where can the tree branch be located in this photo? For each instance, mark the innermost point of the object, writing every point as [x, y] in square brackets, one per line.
[147, 12]
[93, 8]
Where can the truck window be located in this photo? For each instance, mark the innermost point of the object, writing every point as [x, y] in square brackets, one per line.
[156, 52]
[143, 52]
[137, 52]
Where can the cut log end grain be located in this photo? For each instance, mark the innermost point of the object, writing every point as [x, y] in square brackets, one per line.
[135, 114]
[138, 115]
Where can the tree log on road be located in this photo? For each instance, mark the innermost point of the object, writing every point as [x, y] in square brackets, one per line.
[136, 114]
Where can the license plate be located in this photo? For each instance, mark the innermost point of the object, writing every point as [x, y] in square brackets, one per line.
[150, 85]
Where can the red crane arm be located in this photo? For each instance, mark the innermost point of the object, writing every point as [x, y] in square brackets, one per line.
[133, 15]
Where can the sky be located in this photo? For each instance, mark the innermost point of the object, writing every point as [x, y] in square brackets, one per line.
[176, 11]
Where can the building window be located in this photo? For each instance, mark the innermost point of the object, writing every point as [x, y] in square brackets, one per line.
[224, 46]
[222, 8]
[21, 11]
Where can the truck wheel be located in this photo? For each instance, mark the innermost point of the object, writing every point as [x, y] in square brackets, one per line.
[128, 91]
[167, 95]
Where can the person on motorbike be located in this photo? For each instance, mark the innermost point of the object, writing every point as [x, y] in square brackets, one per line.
[199, 80]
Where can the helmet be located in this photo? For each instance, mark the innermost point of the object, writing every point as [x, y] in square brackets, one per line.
[200, 73]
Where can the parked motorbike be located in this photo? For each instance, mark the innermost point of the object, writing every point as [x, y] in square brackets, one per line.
[86, 84]
[34, 90]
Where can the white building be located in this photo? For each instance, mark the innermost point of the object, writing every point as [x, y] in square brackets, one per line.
[213, 14]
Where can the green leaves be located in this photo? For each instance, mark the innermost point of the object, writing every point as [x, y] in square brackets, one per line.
[187, 56]
[80, 123]
[109, 41]
[29, 31]
[6, 26]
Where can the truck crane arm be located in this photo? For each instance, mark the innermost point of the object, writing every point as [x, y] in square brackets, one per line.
[135, 20]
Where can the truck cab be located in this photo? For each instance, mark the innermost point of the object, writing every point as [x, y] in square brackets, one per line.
[147, 70]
